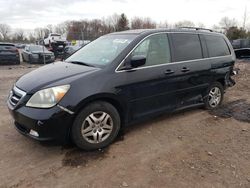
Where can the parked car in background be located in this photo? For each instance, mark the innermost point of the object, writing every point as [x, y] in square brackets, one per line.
[20, 46]
[37, 54]
[241, 48]
[56, 39]
[9, 54]
[69, 50]
[119, 79]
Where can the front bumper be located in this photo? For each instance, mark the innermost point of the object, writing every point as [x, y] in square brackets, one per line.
[50, 124]
[40, 59]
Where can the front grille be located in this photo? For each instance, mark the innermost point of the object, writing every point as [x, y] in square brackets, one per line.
[15, 96]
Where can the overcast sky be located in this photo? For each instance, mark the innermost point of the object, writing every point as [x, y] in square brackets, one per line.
[28, 14]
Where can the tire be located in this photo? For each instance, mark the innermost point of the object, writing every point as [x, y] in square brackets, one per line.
[214, 96]
[96, 126]
[30, 60]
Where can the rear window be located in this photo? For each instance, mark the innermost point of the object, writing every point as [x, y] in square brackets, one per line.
[217, 46]
[186, 46]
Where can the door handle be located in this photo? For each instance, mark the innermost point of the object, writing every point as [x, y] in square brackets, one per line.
[185, 69]
[168, 71]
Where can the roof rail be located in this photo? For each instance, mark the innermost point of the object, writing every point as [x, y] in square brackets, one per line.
[197, 28]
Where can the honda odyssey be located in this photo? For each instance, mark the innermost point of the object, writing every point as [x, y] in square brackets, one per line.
[119, 79]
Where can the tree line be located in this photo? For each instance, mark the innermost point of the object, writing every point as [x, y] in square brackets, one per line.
[91, 29]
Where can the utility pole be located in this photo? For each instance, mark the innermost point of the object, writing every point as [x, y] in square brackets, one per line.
[82, 37]
[43, 50]
[245, 18]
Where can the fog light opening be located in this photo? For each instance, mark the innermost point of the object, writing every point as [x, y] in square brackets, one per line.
[34, 133]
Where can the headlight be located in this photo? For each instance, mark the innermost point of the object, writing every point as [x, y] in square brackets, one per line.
[35, 55]
[49, 97]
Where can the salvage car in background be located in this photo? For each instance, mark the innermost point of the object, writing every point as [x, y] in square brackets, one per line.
[241, 48]
[9, 54]
[55, 38]
[37, 54]
[69, 50]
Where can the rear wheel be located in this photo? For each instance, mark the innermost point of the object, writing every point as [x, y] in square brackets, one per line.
[214, 96]
[96, 126]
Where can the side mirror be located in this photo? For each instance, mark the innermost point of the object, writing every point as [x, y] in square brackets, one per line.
[137, 61]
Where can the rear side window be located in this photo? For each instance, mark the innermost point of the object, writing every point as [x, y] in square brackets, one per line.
[217, 46]
[186, 46]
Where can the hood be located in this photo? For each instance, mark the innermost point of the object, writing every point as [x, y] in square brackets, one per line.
[48, 74]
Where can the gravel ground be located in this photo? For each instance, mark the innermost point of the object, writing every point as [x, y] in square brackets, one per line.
[194, 148]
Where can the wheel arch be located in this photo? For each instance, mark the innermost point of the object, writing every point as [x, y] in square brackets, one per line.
[106, 97]
[221, 81]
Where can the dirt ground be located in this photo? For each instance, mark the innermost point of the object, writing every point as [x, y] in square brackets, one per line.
[194, 148]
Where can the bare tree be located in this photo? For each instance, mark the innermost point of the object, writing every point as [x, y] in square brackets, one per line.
[149, 23]
[164, 24]
[142, 23]
[32, 37]
[185, 23]
[61, 28]
[225, 23]
[40, 33]
[137, 23]
[112, 21]
[50, 28]
[4, 31]
[19, 35]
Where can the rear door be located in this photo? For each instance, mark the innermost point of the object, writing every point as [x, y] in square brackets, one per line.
[192, 67]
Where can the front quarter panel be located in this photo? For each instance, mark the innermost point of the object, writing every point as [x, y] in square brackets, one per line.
[98, 85]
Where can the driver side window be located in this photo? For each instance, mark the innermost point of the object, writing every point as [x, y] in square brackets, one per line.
[156, 50]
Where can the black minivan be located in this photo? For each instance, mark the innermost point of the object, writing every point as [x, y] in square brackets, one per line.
[119, 79]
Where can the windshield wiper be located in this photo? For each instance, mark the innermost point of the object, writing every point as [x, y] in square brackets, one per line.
[80, 63]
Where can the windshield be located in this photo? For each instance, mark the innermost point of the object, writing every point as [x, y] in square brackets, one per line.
[37, 48]
[102, 51]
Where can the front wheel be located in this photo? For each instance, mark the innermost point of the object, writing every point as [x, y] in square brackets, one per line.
[214, 96]
[96, 126]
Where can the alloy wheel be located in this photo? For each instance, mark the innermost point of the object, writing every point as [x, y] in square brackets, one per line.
[214, 97]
